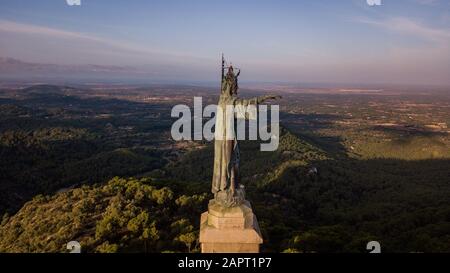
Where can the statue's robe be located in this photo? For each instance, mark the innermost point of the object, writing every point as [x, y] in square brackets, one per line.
[226, 148]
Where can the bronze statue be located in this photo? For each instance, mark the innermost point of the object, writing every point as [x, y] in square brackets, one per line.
[226, 185]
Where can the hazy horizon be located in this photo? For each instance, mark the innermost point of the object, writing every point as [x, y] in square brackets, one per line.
[401, 42]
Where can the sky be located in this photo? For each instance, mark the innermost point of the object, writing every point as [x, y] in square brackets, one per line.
[335, 41]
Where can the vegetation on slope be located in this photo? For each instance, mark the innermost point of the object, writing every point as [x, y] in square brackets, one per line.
[126, 215]
[314, 194]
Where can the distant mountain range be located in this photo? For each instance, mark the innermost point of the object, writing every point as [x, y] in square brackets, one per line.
[15, 69]
[11, 65]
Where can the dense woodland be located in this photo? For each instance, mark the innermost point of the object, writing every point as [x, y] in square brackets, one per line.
[103, 172]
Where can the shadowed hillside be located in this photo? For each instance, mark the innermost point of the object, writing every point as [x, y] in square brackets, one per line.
[305, 200]
[326, 189]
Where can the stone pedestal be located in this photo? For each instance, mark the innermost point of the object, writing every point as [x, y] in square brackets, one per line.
[229, 230]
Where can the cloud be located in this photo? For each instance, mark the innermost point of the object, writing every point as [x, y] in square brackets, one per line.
[13, 27]
[427, 2]
[410, 27]
[412, 62]
[29, 29]
[55, 46]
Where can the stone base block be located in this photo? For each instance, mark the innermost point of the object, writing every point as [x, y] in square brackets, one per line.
[229, 230]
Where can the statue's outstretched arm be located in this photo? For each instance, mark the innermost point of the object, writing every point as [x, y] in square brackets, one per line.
[246, 102]
[256, 100]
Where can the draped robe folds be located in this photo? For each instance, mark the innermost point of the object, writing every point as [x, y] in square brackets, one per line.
[226, 148]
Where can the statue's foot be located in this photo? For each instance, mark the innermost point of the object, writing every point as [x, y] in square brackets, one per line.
[230, 198]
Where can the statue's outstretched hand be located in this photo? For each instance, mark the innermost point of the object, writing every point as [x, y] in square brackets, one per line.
[268, 97]
[274, 97]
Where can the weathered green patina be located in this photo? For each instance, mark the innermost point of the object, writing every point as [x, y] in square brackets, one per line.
[226, 177]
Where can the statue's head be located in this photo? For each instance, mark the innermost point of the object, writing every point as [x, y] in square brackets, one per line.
[230, 69]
